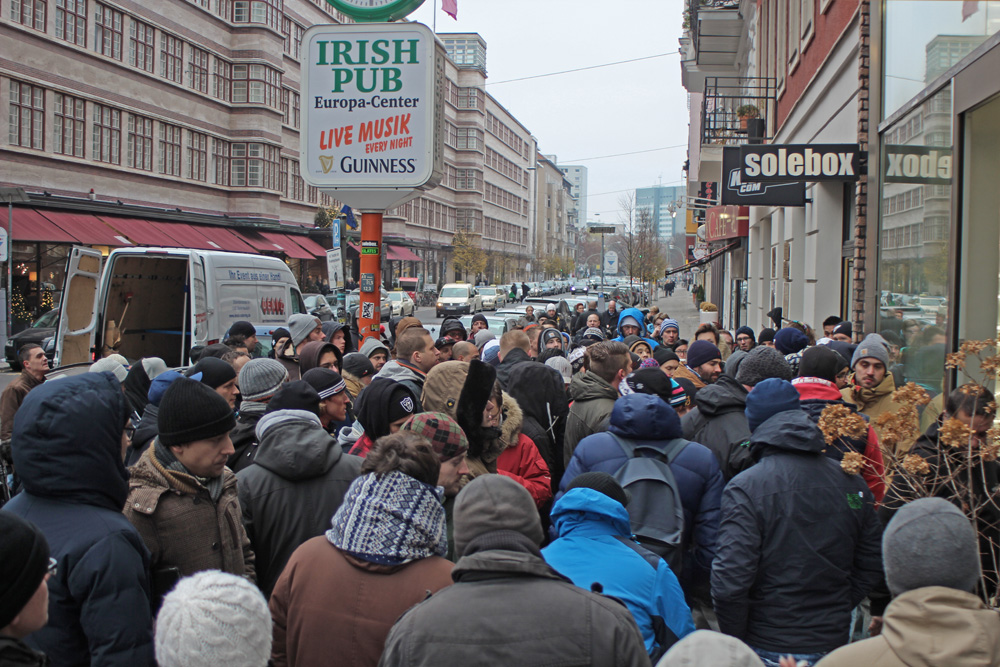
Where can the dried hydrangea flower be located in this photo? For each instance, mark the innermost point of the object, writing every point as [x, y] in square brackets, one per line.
[954, 433]
[852, 463]
[911, 394]
[916, 464]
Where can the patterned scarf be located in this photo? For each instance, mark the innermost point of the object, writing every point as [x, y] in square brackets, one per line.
[166, 458]
[390, 519]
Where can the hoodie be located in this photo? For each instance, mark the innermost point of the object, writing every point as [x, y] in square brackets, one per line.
[541, 393]
[310, 353]
[410, 376]
[640, 319]
[592, 401]
[718, 420]
[330, 328]
[373, 345]
[297, 482]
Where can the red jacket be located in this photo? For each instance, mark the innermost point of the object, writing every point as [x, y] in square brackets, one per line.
[524, 464]
[818, 389]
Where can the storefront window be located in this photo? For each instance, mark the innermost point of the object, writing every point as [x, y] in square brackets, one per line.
[925, 38]
[917, 173]
[38, 274]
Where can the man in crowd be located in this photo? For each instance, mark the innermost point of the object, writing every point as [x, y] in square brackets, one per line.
[580, 320]
[454, 329]
[464, 351]
[871, 385]
[415, 357]
[249, 334]
[34, 366]
[704, 364]
[302, 328]
[843, 331]
[376, 352]
[829, 324]
[611, 316]
[260, 380]
[745, 339]
[479, 323]
[334, 401]
[514, 346]
[24, 594]
[594, 392]
[670, 332]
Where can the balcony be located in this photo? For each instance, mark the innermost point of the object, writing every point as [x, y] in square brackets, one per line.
[715, 39]
[737, 110]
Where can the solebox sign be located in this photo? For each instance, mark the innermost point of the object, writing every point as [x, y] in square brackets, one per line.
[775, 163]
[370, 95]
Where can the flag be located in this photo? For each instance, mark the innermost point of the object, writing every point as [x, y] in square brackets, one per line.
[450, 8]
[351, 222]
[969, 7]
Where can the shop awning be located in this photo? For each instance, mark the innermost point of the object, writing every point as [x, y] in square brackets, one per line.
[310, 246]
[189, 235]
[142, 232]
[286, 245]
[256, 240]
[355, 247]
[226, 239]
[30, 225]
[88, 229]
[399, 253]
[704, 260]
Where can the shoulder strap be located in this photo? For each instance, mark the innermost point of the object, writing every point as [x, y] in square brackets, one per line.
[668, 454]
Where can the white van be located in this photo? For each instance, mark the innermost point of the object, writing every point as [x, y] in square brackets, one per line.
[163, 301]
[458, 299]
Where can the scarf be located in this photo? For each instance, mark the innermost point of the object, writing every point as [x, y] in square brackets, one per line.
[166, 458]
[390, 519]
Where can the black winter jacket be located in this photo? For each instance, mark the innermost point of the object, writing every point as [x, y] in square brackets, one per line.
[145, 431]
[719, 422]
[511, 359]
[540, 393]
[244, 435]
[799, 543]
[295, 486]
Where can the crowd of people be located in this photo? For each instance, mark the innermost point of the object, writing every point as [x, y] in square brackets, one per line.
[585, 490]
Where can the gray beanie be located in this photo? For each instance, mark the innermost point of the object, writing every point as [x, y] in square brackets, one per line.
[929, 542]
[260, 379]
[733, 363]
[483, 337]
[872, 347]
[115, 364]
[704, 647]
[762, 363]
[300, 326]
[491, 503]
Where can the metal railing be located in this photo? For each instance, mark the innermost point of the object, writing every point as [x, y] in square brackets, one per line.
[730, 107]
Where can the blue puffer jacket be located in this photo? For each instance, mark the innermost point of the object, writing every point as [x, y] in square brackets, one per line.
[648, 420]
[67, 450]
[637, 315]
[590, 549]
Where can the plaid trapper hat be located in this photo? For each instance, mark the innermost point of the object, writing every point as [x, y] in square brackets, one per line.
[443, 432]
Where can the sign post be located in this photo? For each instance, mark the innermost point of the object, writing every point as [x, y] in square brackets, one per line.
[335, 259]
[372, 130]
[602, 230]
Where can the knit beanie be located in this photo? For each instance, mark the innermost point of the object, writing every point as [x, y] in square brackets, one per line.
[24, 560]
[669, 324]
[601, 482]
[745, 330]
[663, 354]
[790, 340]
[562, 365]
[593, 333]
[491, 353]
[765, 336]
[190, 411]
[734, 361]
[297, 395]
[628, 320]
[116, 364]
[326, 382]
[479, 317]
[701, 352]
[158, 386]
[845, 328]
[821, 362]
[445, 435]
[872, 347]
[153, 367]
[679, 396]
[550, 334]
[769, 398]
[493, 503]
[761, 363]
[279, 333]
[650, 381]
[300, 325]
[211, 371]
[260, 379]
[929, 542]
[242, 328]
[704, 647]
[576, 357]
[213, 619]
[358, 365]
[687, 387]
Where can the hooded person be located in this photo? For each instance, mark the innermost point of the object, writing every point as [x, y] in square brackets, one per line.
[338, 335]
[501, 575]
[453, 328]
[319, 354]
[357, 372]
[376, 352]
[380, 411]
[383, 554]
[260, 380]
[482, 337]
[834, 544]
[631, 323]
[24, 594]
[520, 459]
[249, 334]
[550, 339]
[461, 390]
[137, 382]
[302, 328]
[99, 598]
[541, 393]
[931, 559]
[300, 475]
[639, 346]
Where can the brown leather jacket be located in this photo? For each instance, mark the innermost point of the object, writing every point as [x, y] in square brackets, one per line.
[11, 399]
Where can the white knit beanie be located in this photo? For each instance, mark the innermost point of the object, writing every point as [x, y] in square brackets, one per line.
[213, 619]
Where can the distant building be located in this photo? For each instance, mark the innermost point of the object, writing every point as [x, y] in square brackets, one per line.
[576, 174]
[666, 208]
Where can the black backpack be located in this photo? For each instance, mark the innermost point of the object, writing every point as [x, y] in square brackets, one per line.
[654, 509]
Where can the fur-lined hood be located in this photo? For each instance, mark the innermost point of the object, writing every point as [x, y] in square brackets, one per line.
[513, 419]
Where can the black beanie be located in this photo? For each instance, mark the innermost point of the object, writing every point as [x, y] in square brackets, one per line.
[603, 483]
[821, 362]
[214, 371]
[190, 411]
[242, 328]
[663, 354]
[24, 560]
[298, 395]
[651, 381]
[358, 365]
[766, 336]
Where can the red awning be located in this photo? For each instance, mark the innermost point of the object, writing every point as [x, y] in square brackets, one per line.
[399, 253]
[286, 245]
[310, 246]
[226, 239]
[142, 232]
[87, 228]
[355, 247]
[30, 225]
[256, 240]
[189, 235]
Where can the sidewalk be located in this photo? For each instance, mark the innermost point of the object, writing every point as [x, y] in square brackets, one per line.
[680, 307]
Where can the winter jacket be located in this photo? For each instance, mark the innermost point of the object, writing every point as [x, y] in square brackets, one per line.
[15, 653]
[595, 546]
[815, 395]
[324, 588]
[295, 486]
[511, 359]
[244, 435]
[609, 320]
[508, 607]
[799, 544]
[407, 375]
[285, 353]
[876, 402]
[719, 422]
[182, 526]
[593, 400]
[520, 460]
[541, 393]
[145, 431]
[928, 627]
[650, 421]
[11, 399]
[75, 485]
[637, 315]
[688, 374]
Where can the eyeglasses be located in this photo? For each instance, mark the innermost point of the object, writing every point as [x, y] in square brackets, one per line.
[743, 339]
[53, 567]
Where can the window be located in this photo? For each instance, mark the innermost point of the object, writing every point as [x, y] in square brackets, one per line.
[808, 19]
[69, 125]
[298, 184]
[469, 138]
[107, 134]
[27, 115]
[108, 31]
[468, 179]
[223, 79]
[71, 21]
[295, 109]
[782, 34]
[170, 149]
[793, 34]
[199, 69]
[30, 13]
[283, 177]
[197, 156]
[267, 12]
[220, 158]
[141, 44]
[292, 32]
[256, 84]
[254, 165]
[171, 58]
[469, 98]
[140, 142]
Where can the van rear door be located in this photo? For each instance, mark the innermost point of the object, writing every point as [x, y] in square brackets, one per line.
[78, 308]
[198, 303]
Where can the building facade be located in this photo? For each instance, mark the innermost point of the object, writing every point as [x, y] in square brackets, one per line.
[664, 205]
[555, 221]
[576, 174]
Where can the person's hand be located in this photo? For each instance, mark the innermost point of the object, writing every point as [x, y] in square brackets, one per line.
[787, 661]
[875, 627]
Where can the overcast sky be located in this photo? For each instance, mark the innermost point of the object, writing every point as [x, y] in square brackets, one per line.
[621, 109]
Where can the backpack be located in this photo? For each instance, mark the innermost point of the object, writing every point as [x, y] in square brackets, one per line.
[654, 509]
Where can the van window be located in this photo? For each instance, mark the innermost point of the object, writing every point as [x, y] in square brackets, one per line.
[455, 291]
[297, 305]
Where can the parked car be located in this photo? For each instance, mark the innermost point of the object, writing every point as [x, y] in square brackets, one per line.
[493, 297]
[402, 304]
[317, 305]
[42, 328]
[458, 299]
[499, 325]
